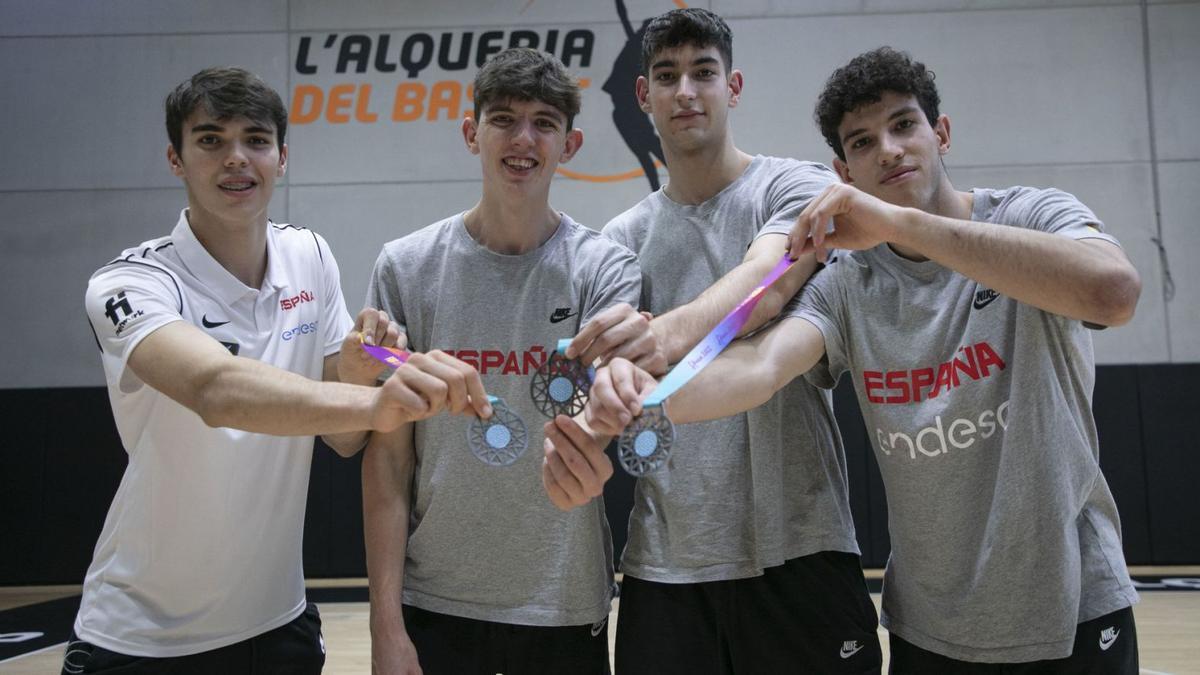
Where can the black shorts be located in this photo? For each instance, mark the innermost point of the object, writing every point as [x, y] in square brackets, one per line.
[295, 648]
[810, 615]
[453, 645]
[1103, 646]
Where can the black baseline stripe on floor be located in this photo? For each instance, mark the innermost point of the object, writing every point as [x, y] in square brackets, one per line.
[33, 627]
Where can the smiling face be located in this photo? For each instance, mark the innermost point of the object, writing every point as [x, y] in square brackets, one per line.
[520, 144]
[689, 95]
[229, 167]
[893, 153]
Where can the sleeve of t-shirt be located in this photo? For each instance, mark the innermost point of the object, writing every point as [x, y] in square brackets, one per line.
[618, 279]
[789, 192]
[336, 320]
[615, 232]
[819, 303]
[383, 289]
[125, 302]
[1057, 212]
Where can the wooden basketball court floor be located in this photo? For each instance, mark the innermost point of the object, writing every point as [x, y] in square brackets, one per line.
[1168, 626]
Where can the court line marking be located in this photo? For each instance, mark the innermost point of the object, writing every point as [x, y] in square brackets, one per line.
[38, 651]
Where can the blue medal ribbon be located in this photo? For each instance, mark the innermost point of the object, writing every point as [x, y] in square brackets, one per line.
[646, 443]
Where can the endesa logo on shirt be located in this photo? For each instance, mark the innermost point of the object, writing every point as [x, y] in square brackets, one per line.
[296, 300]
[299, 331]
[971, 363]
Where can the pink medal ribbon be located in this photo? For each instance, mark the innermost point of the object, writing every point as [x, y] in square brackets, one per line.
[499, 440]
[645, 445]
[389, 356]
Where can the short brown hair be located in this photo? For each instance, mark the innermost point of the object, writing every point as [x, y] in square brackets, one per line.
[524, 74]
[225, 93]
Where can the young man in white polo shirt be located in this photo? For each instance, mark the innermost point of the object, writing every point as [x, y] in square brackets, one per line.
[214, 340]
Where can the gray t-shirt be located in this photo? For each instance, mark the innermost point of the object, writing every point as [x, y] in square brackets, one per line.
[1004, 533]
[747, 492]
[485, 542]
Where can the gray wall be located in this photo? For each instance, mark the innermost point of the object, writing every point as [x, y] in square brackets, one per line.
[1097, 98]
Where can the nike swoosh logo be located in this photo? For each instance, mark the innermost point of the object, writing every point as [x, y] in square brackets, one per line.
[847, 654]
[984, 298]
[562, 317]
[1104, 645]
[211, 324]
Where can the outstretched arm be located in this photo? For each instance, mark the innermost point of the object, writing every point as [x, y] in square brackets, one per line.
[229, 391]
[353, 365]
[1087, 279]
[681, 328]
[744, 376]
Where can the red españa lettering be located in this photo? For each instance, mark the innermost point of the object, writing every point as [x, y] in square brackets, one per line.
[975, 362]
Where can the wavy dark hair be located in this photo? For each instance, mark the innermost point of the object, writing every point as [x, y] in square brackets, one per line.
[864, 80]
[225, 93]
[691, 26]
[524, 74]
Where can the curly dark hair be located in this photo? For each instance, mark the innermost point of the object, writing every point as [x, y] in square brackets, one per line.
[225, 93]
[864, 80]
[524, 74]
[689, 26]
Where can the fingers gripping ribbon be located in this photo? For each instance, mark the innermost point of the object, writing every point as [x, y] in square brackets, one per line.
[646, 443]
[499, 440]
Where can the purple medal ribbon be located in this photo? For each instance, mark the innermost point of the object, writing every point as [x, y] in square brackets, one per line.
[389, 356]
[713, 343]
[498, 441]
[646, 443]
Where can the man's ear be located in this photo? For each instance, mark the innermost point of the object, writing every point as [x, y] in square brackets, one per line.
[572, 146]
[843, 171]
[942, 130]
[642, 90]
[735, 88]
[283, 157]
[174, 161]
[470, 133]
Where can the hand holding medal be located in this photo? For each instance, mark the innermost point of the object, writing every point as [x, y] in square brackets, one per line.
[646, 441]
[499, 440]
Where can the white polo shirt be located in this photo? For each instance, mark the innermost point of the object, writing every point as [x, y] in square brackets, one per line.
[201, 547]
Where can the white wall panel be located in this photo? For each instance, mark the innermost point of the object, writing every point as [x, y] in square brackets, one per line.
[1174, 64]
[1021, 87]
[594, 204]
[1180, 194]
[106, 17]
[387, 126]
[87, 113]
[1121, 196]
[51, 243]
[392, 14]
[357, 220]
[1040, 92]
[757, 8]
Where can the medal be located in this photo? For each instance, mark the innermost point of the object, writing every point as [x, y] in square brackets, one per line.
[497, 441]
[560, 386]
[645, 445]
